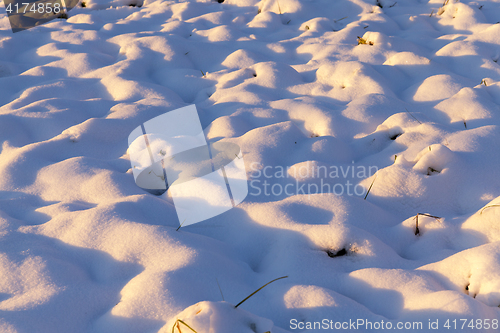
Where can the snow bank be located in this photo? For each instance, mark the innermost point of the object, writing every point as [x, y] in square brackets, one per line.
[400, 99]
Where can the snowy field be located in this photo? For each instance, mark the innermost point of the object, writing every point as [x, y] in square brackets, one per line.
[326, 98]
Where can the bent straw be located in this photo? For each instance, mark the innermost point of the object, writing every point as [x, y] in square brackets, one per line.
[283, 277]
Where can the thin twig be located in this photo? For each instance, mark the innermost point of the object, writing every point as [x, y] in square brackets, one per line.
[373, 181]
[283, 277]
[417, 231]
[428, 215]
[220, 289]
[496, 205]
[179, 328]
[412, 116]
[180, 225]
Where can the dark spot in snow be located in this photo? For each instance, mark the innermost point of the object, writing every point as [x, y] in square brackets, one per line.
[254, 74]
[395, 136]
[340, 253]
[431, 170]
[362, 41]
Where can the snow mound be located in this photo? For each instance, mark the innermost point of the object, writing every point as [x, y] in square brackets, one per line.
[479, 279]
[223, 317]
[370, 133]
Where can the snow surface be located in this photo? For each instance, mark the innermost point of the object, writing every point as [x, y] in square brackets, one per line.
[84, 249]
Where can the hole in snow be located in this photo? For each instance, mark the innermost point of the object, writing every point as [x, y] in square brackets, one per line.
[431, 171]
[394, 132]
[395, 136]
[340, 253]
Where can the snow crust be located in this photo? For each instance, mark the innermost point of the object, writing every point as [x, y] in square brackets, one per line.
[410, 88]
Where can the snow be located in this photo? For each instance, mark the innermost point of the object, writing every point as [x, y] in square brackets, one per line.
[401, 98]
